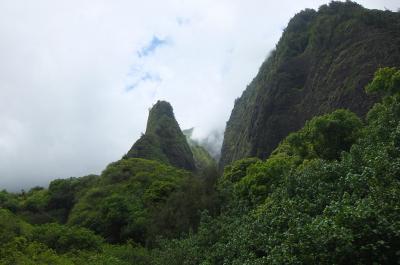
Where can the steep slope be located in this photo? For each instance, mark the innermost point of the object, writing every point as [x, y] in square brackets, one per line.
[202, 157]
[322, 62]
[163, 140]
[329, 194]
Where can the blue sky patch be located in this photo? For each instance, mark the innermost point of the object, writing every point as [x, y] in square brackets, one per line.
[146, 77]
[152, 46]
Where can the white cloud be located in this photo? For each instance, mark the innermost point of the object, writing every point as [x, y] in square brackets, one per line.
[74, 93]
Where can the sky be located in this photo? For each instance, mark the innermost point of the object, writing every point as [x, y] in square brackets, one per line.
[77, 77]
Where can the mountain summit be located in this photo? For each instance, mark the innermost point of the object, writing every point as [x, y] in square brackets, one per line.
[322, 62]
[163, 140]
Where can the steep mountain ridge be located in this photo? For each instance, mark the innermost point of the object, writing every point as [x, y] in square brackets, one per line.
[328, 194]
[321, 63]
[163, 140]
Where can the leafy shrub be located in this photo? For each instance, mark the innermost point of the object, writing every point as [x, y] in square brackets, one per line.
[326, 136]
[138, 199]
[63, 239]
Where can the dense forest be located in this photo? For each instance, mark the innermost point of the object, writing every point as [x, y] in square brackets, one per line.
[328, 192]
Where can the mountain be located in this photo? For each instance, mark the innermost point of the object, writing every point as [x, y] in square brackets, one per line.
[202, 157]
[328, 194]
[212, 143]
[163, 140]
[321, 63]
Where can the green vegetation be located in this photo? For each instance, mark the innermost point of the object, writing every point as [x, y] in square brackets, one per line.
[163, 140]
[301, 206]
[328, 193]
[132, 201]
[202, 158]
[132, 204]
[322, 62]
[54, 204]
[324, 136]
[24, 244]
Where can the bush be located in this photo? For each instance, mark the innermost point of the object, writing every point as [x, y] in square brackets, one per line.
[63, 239]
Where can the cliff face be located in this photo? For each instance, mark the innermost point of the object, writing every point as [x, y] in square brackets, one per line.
[202, 157]
[163, 140]
[321, 63]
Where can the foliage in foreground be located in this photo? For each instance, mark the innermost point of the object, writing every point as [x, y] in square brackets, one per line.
[25, 244]
[139, 199]
[329, 194]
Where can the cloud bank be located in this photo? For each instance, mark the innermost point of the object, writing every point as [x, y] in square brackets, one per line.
[77, 77]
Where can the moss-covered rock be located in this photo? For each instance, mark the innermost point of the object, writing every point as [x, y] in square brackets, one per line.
[321, 63]
[163, 140]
